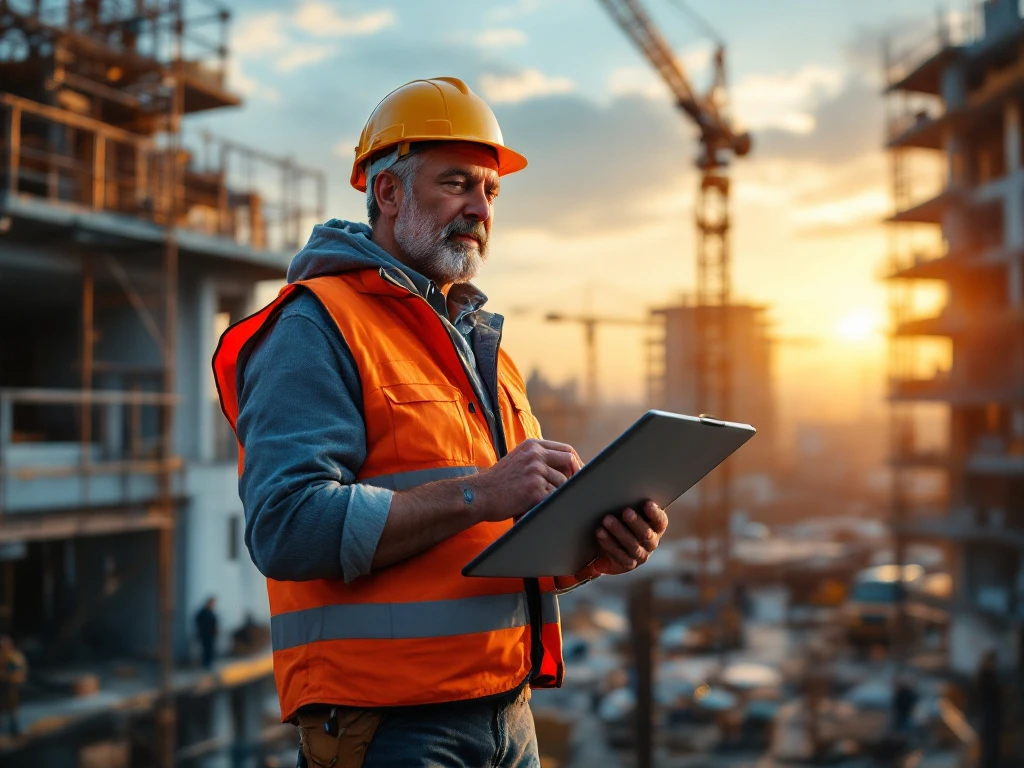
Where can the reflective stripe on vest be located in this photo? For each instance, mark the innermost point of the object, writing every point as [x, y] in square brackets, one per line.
[403, 481]
[406, 621]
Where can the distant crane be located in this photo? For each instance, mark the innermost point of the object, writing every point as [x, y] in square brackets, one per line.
[719, 142]
[590, 323]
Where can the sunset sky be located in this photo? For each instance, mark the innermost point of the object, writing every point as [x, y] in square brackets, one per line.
[605, 208]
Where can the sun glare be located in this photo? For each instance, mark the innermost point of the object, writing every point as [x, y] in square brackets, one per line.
[858, 325]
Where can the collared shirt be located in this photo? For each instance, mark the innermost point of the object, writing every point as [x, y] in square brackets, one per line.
[464, 301]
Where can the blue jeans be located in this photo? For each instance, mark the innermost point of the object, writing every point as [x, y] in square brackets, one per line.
[497, 733]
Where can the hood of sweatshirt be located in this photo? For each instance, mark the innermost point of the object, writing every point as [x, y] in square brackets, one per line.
[340, 246]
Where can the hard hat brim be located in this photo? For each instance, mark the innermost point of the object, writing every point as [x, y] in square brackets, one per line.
[509, 161]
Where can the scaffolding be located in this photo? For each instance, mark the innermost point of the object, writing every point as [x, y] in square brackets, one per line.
[91, 108]
[956, 347]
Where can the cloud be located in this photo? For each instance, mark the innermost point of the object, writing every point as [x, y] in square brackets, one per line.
[853, 212]
[514, 10]
[500, 38]
[321, 20]
[643, 80]
[248, 86]
[303, 56]
[528, 84]
[846, 125]
[287, 43]
[259, 33]
[593, 167]
[785, 101]
[345, 148]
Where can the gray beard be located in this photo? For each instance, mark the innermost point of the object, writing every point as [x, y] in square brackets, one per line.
[432, 248]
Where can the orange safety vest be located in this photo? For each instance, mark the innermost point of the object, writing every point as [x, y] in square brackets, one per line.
[417, 632]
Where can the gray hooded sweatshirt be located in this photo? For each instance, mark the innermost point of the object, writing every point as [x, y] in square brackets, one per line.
[300, 415]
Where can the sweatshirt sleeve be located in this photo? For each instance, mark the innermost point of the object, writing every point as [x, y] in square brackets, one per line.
[300, 419]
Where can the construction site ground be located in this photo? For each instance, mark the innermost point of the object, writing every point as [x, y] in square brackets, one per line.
[593, 738]
[128, 688]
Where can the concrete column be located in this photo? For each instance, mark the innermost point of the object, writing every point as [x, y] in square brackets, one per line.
[1011, 136]
[1017, 424]
[206, 310]
[221, 726]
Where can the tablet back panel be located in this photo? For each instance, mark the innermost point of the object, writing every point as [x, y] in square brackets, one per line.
[659, 457]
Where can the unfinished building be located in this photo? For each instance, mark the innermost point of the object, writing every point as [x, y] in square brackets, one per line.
[673, 375]
[956, 271]
[124, 250]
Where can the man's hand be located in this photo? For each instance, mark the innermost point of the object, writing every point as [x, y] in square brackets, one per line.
[627, 541]
[522, 479]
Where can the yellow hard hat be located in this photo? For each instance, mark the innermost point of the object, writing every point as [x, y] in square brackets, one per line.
[441, 109]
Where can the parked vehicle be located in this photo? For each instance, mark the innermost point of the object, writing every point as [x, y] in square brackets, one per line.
[871, 611]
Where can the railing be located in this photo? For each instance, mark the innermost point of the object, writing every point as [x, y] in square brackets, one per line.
[230, 191]
[119, 445]
[903, 56]
[964, 735]
[149, 28]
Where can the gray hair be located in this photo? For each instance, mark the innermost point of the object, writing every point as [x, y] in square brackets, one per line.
[404, 168]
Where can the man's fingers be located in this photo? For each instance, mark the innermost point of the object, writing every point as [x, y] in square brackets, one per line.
[625, 538]
[643, 531]
[551, 445]
[553, 476]
[560, 460]
[614, 550]
[656, 517]
[577, 462]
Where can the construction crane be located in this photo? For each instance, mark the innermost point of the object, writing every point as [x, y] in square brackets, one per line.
[719, 142]
[590, 323]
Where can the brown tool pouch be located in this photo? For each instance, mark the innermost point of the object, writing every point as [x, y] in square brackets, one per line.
[337, 737]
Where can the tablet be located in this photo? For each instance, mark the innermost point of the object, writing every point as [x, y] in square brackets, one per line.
[659, 457]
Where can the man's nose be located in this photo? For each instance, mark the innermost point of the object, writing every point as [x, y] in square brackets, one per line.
[477, 206]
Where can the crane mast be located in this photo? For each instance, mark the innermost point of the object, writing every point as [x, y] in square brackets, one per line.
[711, 355]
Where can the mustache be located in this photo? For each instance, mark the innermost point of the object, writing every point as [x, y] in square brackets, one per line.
[465, 227]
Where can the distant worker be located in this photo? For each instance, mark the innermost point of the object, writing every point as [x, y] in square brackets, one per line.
[13, 674]
[206, 631]
[988, 696]
[386, 441]
[904, 699]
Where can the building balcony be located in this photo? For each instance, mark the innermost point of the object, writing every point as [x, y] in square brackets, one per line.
[949, 266]
[115, 186]
[943, 388]
[114, 473]
[920, 458]
[969, 526]
[960, 322]
[996, 455]
[918, 67]
[75, 38]
[924, 129]
[929, 210]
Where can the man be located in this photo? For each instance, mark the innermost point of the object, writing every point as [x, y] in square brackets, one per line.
[13, 673]
[206, 630]
[386, 440]
[904, 699]
[988, 695]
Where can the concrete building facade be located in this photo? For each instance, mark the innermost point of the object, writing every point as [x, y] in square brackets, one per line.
[673, 385]
[956, 272]
[123, 254]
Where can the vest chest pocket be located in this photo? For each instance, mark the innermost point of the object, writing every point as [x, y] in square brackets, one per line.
[524, 423]
[429, 423]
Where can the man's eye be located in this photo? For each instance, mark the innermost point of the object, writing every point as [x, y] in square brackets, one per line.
[456, 184]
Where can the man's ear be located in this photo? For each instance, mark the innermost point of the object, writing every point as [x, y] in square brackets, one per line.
[389, 192]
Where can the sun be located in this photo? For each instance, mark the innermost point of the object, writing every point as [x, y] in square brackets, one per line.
[858, 325]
